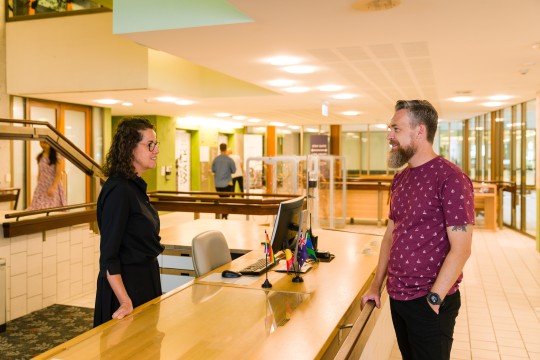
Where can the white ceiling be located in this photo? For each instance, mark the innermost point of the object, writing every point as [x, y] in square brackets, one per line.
[428, 49]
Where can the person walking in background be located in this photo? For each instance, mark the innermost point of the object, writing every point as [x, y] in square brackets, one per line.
[49, 190]
[223, 167]
[238, 176]
[129, 225]
[428, 238]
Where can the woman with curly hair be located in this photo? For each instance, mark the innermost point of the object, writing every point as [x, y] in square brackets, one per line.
[128, 223]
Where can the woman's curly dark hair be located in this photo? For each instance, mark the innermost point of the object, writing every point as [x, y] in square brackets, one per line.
[119, 159]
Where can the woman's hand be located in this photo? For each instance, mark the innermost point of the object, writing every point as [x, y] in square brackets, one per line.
[125, 308]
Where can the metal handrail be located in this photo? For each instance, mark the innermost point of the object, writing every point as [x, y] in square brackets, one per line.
[43, 131]
[47, 211]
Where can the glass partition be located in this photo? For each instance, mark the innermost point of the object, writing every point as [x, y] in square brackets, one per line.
[530, 168]
[516, 135]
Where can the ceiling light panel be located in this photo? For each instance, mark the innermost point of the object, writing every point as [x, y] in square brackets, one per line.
[284, 60]
[300, 69]
[297, 89]
[330, 87]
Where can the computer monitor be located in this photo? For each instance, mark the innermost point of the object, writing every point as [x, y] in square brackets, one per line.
[287, 224]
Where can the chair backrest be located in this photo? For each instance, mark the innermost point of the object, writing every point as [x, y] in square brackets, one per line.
[209, 251]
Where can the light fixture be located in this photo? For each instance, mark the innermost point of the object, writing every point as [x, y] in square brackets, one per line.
[351, 113]
[499, 97]
[281, 82]
[300, 69]
[297, 89]
[277, 123]
[166, 99]
[492, 104]
[284, 131]
[461, 99]
[344, 96]
[200, 122]
[239, 117]
[375, 5]
[126, 103]
[294, 127]
[184, 102]
[255, 120]
[222, 114]
[330, 88]
[283, 60]
[108, 101]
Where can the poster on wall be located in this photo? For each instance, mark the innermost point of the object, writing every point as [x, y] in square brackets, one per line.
[183, 156]
[319, 144]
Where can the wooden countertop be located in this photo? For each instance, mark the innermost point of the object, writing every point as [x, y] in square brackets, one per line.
[242, 236]
[203, 320]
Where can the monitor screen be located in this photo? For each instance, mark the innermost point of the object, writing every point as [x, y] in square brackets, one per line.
[287, 224]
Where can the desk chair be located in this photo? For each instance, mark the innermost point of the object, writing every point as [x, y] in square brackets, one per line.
[210, 251]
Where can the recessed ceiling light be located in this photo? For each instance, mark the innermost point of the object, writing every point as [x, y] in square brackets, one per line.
[281, 82]
[294, 127]
[167, 99]
[222, 114]
[297, 89]
[330, 88]
[536, 46]
[351, 113]
[184, 102]
[311, 130]
[254, 120]
[344, 96]
[300, 69]
[239, 117]
[492, 104]
[283, 60]
[460, 99]
[277, 123]
[127, 104]
[499, 97]
[108, 101]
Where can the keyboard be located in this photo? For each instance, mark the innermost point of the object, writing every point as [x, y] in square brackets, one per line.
[257, 268]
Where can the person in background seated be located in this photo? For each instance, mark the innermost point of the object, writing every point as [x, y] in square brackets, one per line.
[49, 190]
[428, 238]
[223, 167]
[238, 176]
[129, 225]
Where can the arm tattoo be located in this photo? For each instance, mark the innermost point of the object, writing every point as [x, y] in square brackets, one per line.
[459, 227]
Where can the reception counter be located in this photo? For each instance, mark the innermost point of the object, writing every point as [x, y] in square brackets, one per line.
[212, 318]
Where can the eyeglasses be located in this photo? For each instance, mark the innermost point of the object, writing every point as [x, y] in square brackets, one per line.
[152, 145]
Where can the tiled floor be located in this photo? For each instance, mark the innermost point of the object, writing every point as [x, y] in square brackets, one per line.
[500, 313]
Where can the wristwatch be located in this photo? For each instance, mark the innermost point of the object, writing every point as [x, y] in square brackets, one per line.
[434, 298]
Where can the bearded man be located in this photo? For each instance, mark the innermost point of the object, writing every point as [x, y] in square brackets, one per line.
[428, 238]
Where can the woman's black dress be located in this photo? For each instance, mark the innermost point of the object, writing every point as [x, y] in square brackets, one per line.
[130, 244]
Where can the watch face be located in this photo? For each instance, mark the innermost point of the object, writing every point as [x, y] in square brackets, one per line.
[434, 298]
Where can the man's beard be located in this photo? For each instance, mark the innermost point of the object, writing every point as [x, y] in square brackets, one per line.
[400, 156]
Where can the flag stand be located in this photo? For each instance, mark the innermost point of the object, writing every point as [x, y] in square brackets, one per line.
[297, 278]
[266, 284]
[267, 251]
